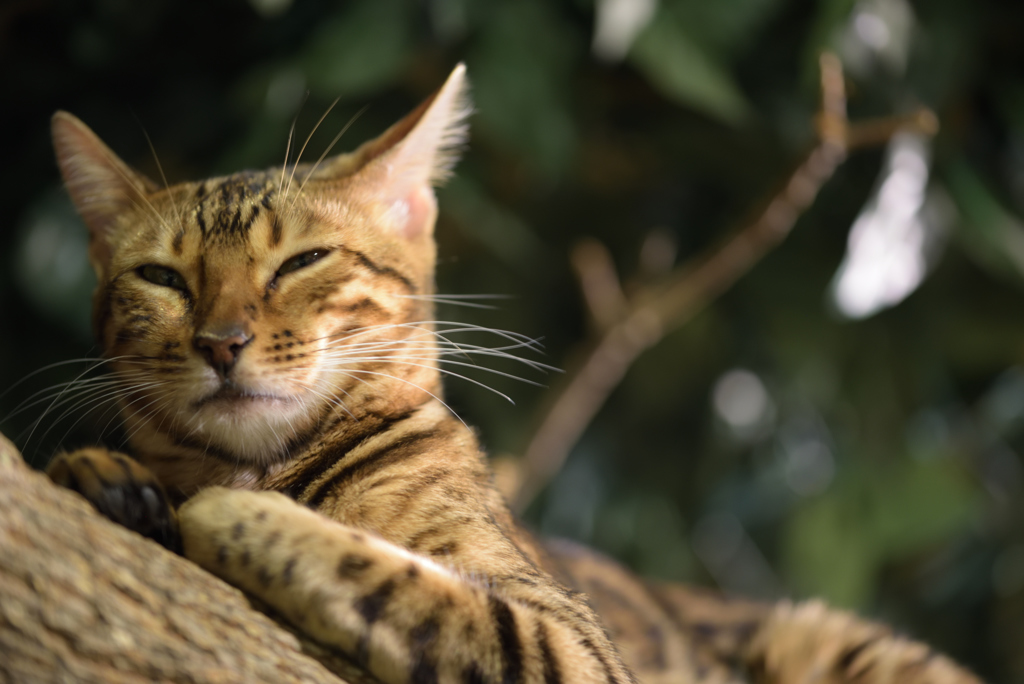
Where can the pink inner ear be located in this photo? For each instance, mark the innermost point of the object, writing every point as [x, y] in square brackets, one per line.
[415, 214]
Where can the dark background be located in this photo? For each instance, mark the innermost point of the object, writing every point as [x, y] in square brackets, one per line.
[878, 463]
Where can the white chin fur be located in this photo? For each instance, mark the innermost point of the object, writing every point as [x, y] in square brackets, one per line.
[254, 430]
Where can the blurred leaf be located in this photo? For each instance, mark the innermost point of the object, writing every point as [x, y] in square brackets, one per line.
[989, 233]
[726, 27]
[360, 49]
[498, 229]
[521, 72]
[270, 8]
[836, 544]
[686, 72]
[51, 264]
[450, 19]
[264, 142]
[828, 553]
[918, 505]
[830, 18]
[1011, 105]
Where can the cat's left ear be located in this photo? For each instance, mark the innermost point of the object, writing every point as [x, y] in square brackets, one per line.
[101, 185]
[400, 168]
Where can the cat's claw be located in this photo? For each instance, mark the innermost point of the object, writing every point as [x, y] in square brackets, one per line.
[122, 490]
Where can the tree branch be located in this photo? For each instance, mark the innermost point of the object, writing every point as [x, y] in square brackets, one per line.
[628, 327]
[85, 600]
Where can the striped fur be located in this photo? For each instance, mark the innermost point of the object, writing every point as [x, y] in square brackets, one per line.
[281, 376]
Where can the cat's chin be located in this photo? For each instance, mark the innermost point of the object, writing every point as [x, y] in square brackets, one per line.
[231, 399]
[258, 439]
[254, 427]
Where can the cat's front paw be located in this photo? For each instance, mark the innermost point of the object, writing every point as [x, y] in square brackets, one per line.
[121, 489]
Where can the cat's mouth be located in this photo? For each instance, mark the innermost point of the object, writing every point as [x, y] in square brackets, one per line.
[229, 392]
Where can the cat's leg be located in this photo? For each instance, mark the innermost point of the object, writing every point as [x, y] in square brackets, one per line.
[401, 615]
[121, 489]
[809, 642]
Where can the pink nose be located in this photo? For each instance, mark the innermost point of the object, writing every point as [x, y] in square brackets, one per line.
[221, 347]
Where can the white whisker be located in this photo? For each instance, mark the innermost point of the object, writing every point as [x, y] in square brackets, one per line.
[468, 301]
[484, 369]
[167, 187]
[326, 152]
[288, 149]
[36, 423]
[111, 402]
[144, 420]
[308, 138]
[332, 400]
[97, 362]
[453, 374]
[94, 403]
[431, 351]
[408, 382]
[54, 391]
[97, 401]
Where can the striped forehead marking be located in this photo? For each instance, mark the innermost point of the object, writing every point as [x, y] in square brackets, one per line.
[226, 210]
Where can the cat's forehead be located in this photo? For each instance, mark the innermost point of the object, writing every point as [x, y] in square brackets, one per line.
[224, 209]
[238, 187]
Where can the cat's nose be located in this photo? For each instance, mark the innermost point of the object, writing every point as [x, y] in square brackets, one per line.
[221, 347]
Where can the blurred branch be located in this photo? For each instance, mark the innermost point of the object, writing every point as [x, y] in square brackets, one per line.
[599, 283]
[626, 327]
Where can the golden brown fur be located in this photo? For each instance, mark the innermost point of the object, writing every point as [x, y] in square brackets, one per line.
[273, 332]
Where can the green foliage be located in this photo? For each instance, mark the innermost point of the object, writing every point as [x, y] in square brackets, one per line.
[883, 469]
[687, 51]
[686, 72]
[989, 232]
[360, 49]
[522, 62]
[834, 545]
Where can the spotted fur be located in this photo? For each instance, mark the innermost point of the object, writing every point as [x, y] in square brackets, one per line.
[272, 332]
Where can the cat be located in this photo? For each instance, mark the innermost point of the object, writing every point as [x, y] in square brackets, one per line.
[272, 334]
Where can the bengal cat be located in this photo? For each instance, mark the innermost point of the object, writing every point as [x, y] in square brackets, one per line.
[272, 334]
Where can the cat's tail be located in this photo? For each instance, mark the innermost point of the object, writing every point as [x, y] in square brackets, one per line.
[800, 643]
[672, 633]
[809, 641]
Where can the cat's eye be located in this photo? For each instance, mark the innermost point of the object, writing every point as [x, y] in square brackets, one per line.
[302, 260]
[161, 275]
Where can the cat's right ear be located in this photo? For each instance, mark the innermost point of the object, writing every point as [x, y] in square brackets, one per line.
[100, 184]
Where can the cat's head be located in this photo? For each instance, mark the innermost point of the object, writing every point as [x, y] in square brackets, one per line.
[240, 313]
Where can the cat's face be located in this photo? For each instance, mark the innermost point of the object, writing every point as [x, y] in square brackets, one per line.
[242, 313]
[239, 309]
